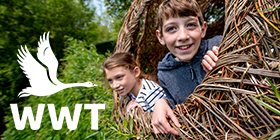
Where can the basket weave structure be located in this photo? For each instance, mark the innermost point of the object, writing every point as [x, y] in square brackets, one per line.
[221, 107]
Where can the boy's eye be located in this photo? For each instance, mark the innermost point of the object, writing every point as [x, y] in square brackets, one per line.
[119, 77]
[191, 25]
[169, 29]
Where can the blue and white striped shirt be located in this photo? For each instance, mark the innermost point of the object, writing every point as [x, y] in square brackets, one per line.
[149, 93]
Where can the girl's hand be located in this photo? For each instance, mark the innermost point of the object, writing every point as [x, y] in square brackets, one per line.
[210, 59]
[132, 104]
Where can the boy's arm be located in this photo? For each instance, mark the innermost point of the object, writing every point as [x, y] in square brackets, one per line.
[162, 111]
[167, 96]
[210, 59]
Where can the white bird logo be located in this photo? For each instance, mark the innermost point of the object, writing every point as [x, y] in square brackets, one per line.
[41, 85]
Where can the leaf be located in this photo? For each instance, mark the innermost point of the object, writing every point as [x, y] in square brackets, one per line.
[131, 125]
[267, 105]
[102, 134]
[270, 99]
[130, 137]
[269, 9]
[149, 135]
[276, 133]
[124, 125]
[95, 133]
[274, 88]
[275, 41]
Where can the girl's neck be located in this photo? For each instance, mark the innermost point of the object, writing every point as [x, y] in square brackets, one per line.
[138, 85]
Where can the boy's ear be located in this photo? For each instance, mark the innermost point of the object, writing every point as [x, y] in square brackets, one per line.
[137, 71]
[160, 37]
[203, 29]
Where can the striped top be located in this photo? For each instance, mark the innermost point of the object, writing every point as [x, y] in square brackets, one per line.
[149, 93]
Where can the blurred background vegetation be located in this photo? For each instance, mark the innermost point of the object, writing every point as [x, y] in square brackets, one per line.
[81, 40]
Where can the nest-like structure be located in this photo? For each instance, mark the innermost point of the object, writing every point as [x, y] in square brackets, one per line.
[222, 106]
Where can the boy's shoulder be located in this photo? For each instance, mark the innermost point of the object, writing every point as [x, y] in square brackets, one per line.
[215, 41]
[208, 44]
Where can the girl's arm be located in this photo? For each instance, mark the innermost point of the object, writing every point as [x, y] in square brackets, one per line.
[133, 104]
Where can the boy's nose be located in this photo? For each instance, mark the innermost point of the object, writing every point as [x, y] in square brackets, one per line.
[183, 34]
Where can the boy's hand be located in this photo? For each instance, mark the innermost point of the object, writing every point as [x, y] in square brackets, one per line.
[133, 104]
[210, 59]
[159, 121]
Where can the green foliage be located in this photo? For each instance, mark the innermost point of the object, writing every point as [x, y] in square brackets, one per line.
[267, 106]
[275, 89]
[116, 10]
[277, 132]
[214, 14]
[22, 22]
[80, 64]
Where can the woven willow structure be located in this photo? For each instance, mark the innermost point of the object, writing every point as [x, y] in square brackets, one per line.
[222, 106]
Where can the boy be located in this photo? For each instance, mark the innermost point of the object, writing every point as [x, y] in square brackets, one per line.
[181, 27]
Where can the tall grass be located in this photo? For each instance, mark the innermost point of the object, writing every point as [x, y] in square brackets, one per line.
[81, 63]
[261, 101]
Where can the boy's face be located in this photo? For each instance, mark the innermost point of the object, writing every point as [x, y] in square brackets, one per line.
[182, 36]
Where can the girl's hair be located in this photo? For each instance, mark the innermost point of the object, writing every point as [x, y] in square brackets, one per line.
[121, 60]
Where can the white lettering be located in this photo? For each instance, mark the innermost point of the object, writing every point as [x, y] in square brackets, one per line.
[56, 123]
[64, 112]
[27, 113]
[94, 114]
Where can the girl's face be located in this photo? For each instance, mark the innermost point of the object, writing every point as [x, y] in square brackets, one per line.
[122, 80]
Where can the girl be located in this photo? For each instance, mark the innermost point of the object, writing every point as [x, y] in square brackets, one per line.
[125, 78]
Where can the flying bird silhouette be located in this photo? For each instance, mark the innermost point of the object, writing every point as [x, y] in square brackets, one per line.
[41, 85]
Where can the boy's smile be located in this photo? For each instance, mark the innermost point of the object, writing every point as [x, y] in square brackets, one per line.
[182, 36]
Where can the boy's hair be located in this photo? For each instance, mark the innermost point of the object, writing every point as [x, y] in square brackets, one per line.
[120, 60]
[178, 8]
